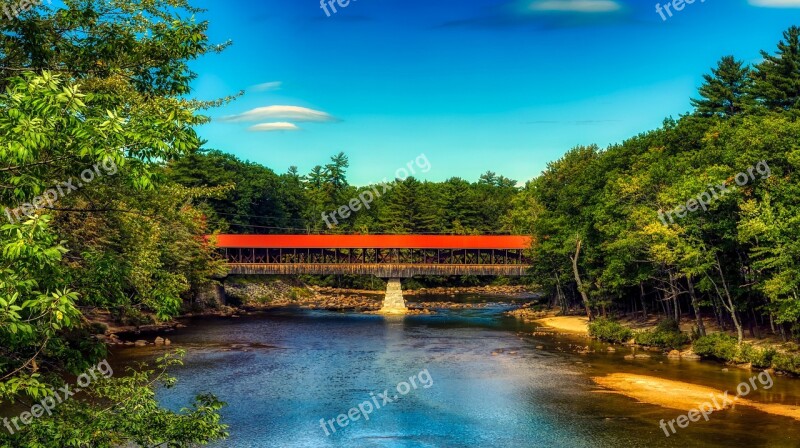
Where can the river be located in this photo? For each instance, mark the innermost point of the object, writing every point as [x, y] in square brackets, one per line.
[481, 379]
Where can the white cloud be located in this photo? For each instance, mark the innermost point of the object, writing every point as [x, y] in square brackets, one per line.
[273, 127]
[776, 3]
[294, 113]
[579, 6]
[267, 86]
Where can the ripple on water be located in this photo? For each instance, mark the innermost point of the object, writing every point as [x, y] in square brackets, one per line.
[491, 386]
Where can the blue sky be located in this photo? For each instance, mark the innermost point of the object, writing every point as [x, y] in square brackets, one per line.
[475, 85]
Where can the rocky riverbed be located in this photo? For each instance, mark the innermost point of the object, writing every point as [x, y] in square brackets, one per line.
[243, 297]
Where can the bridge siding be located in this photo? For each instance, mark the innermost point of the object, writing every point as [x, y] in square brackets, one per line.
[379, 270]
[388, 256]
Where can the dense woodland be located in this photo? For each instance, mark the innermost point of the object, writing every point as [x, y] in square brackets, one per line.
[596, 214]
[98, 81]
[258, 200]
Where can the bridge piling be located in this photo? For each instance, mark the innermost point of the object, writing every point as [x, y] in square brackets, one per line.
[393, 302]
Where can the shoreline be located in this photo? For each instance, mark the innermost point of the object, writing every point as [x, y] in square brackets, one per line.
[439, 290]
[316, 298]
[680, 395]
[578, 325]
[653, 390]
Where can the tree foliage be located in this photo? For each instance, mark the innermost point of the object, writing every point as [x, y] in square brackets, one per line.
[735, 257]
[100, 88]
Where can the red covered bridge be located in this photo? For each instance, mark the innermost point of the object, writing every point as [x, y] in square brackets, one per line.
[386, 256]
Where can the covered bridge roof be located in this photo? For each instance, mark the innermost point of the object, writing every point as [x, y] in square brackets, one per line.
[372, 242]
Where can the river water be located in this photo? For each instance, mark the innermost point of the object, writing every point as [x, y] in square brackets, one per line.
[480, 380]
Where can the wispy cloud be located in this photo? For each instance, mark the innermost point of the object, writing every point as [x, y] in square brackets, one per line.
[574, 6]
[266, 87]
[294, 113]
[549, 14]
[775, 3]
[274, 127]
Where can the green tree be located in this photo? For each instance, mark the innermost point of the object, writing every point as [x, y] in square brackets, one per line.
[256, 201]
[407, 208]
[121, 410]
[726, 91]
[777, 78]
[459, 207]
[118, 99]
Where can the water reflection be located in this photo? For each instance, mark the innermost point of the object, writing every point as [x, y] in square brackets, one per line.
[492, 386]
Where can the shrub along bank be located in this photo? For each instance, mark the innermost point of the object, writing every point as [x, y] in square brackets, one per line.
[717, 346]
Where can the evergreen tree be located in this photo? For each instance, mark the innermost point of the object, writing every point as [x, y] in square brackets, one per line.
[407, 209]
[459, 207]
[495, 193]
[777, 78]
[726, 91]
[337, 171]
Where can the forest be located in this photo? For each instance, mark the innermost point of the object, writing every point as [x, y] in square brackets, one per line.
[97, 83]
[598, 215]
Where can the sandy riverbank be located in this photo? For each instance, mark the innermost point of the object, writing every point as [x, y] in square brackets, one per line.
[569, 324]
[682, 396]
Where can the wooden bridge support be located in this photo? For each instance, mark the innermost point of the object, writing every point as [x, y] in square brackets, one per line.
[378, 270]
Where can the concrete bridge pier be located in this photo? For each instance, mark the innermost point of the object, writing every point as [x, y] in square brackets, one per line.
[394, 303]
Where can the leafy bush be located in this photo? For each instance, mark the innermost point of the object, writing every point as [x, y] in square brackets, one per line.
[412, 284]
[759, 357]
[668, 326]
[97, 328]
[502, 281]
[726, 348]
[666, 340]
[717, 345]
[666, 335]
[787, 363]
[134, 317]
[609, 330]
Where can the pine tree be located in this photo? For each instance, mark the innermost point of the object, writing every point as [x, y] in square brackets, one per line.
[408, 209]
[726, 91]
[336, 171]
[459, 207]
[777, 79]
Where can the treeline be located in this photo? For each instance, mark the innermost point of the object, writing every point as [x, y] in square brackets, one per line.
[657, 224]
[598, 216]
[254, 199]
[257, 200]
